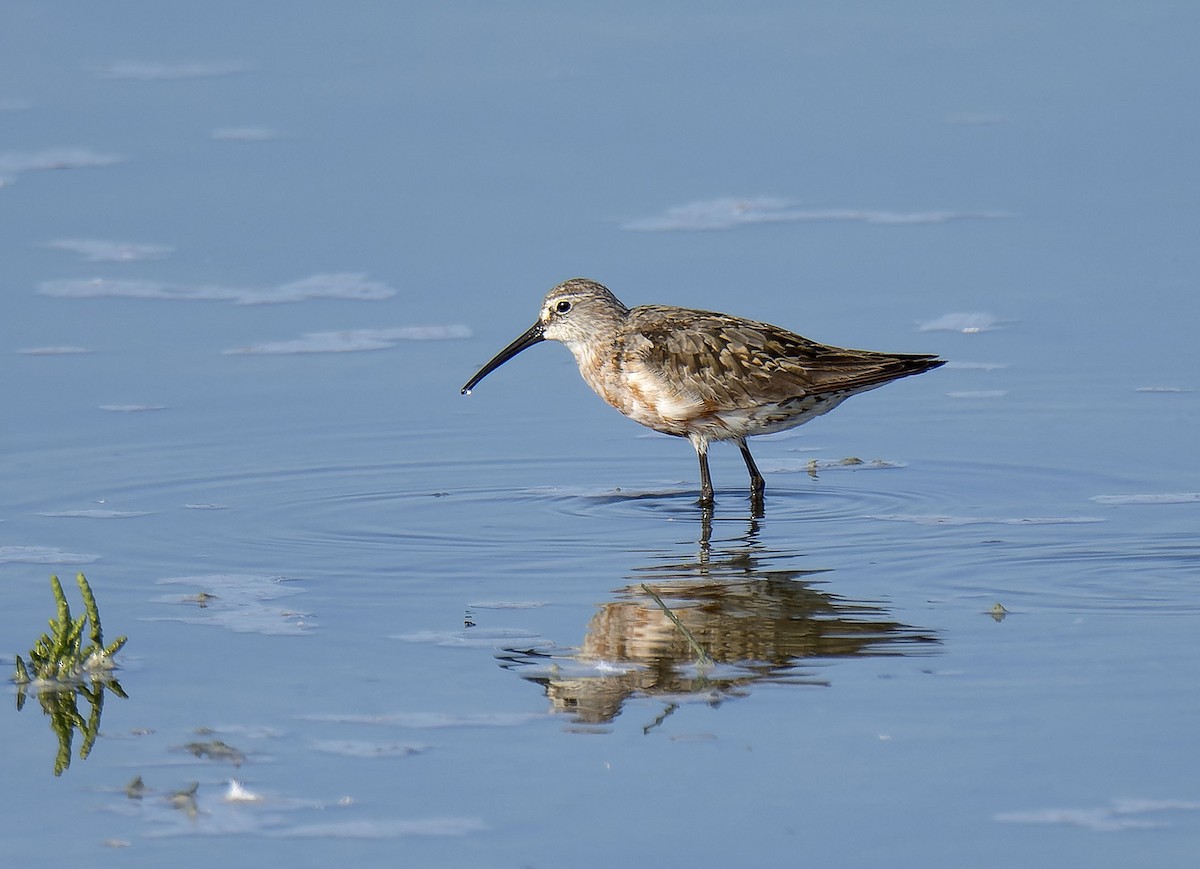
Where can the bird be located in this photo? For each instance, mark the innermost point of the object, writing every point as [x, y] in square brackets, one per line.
[702, 375]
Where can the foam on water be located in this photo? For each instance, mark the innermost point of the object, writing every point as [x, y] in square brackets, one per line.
[102, 250]
[244, 134]
[966, 323]
[18, 554]
[342, 285]
[732, 212]
[352, 340]
[135, 70]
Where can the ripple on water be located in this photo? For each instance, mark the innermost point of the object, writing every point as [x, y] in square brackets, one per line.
[1113, 573]
[926, 519]
[966, 529]
[819, 501]
[1029, 537]
[336, 508]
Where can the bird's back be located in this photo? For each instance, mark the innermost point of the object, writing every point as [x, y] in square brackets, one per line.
[729, 362]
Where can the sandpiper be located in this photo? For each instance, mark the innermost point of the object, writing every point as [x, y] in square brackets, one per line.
[702, 375]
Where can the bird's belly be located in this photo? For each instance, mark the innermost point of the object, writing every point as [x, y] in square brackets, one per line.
[643, 400]
[764, 418]
[660, 413]
[685, 416]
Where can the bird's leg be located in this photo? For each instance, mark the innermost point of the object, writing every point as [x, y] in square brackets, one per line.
[706, 520]
[706, 486]
[757, 484]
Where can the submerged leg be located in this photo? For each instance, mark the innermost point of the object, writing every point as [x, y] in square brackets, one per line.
[757, 484]
[706, 487]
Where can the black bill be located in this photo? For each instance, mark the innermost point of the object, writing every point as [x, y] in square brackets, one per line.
[531, 336]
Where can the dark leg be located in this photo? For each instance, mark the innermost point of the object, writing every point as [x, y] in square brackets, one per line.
[706, 520]
[757, 484]
[706, 489]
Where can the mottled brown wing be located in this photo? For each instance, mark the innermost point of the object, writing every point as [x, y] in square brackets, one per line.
[732, 362]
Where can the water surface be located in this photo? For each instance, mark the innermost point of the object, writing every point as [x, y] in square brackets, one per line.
[248, 268]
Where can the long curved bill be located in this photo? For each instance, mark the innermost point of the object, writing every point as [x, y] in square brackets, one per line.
[531, 336]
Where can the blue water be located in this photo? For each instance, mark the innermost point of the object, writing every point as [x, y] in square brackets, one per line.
[251, 254]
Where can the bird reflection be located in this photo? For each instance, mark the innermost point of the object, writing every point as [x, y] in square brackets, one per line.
[709, 627]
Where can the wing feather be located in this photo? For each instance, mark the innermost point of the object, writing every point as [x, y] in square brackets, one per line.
[715, 361]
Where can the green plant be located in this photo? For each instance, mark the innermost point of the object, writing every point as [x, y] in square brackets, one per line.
[60, 655]
[61, 668]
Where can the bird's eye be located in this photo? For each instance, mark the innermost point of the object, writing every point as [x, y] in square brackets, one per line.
[563, 307]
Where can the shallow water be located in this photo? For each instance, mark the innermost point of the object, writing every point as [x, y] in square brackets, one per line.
[248, 269]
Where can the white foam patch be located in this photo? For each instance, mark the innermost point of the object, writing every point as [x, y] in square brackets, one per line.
[967, 324]
[972, 394]
[352, 340]
[1156, 498]
[1170, 389]
[432, 720]
[1121, 815]
[43, 555]
[150, 71]
[1136, 806]
[390, 828]
[242, 812]
[243, 603]
[471, 638]
[354, 286]
[614, 668]
[977, 366]
[1100, 820]
[248, 731]
[101, 250]
[367, 749]
[238, 793]
[54, 350]
[244, 134]
[96, 514]
[793, 466]
[132, 408]
[507, 604]
[731, 212]
[366, 828]
[16, 162]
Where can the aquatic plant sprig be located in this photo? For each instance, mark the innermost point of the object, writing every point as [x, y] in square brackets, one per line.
[60, 655]
[61, 668]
